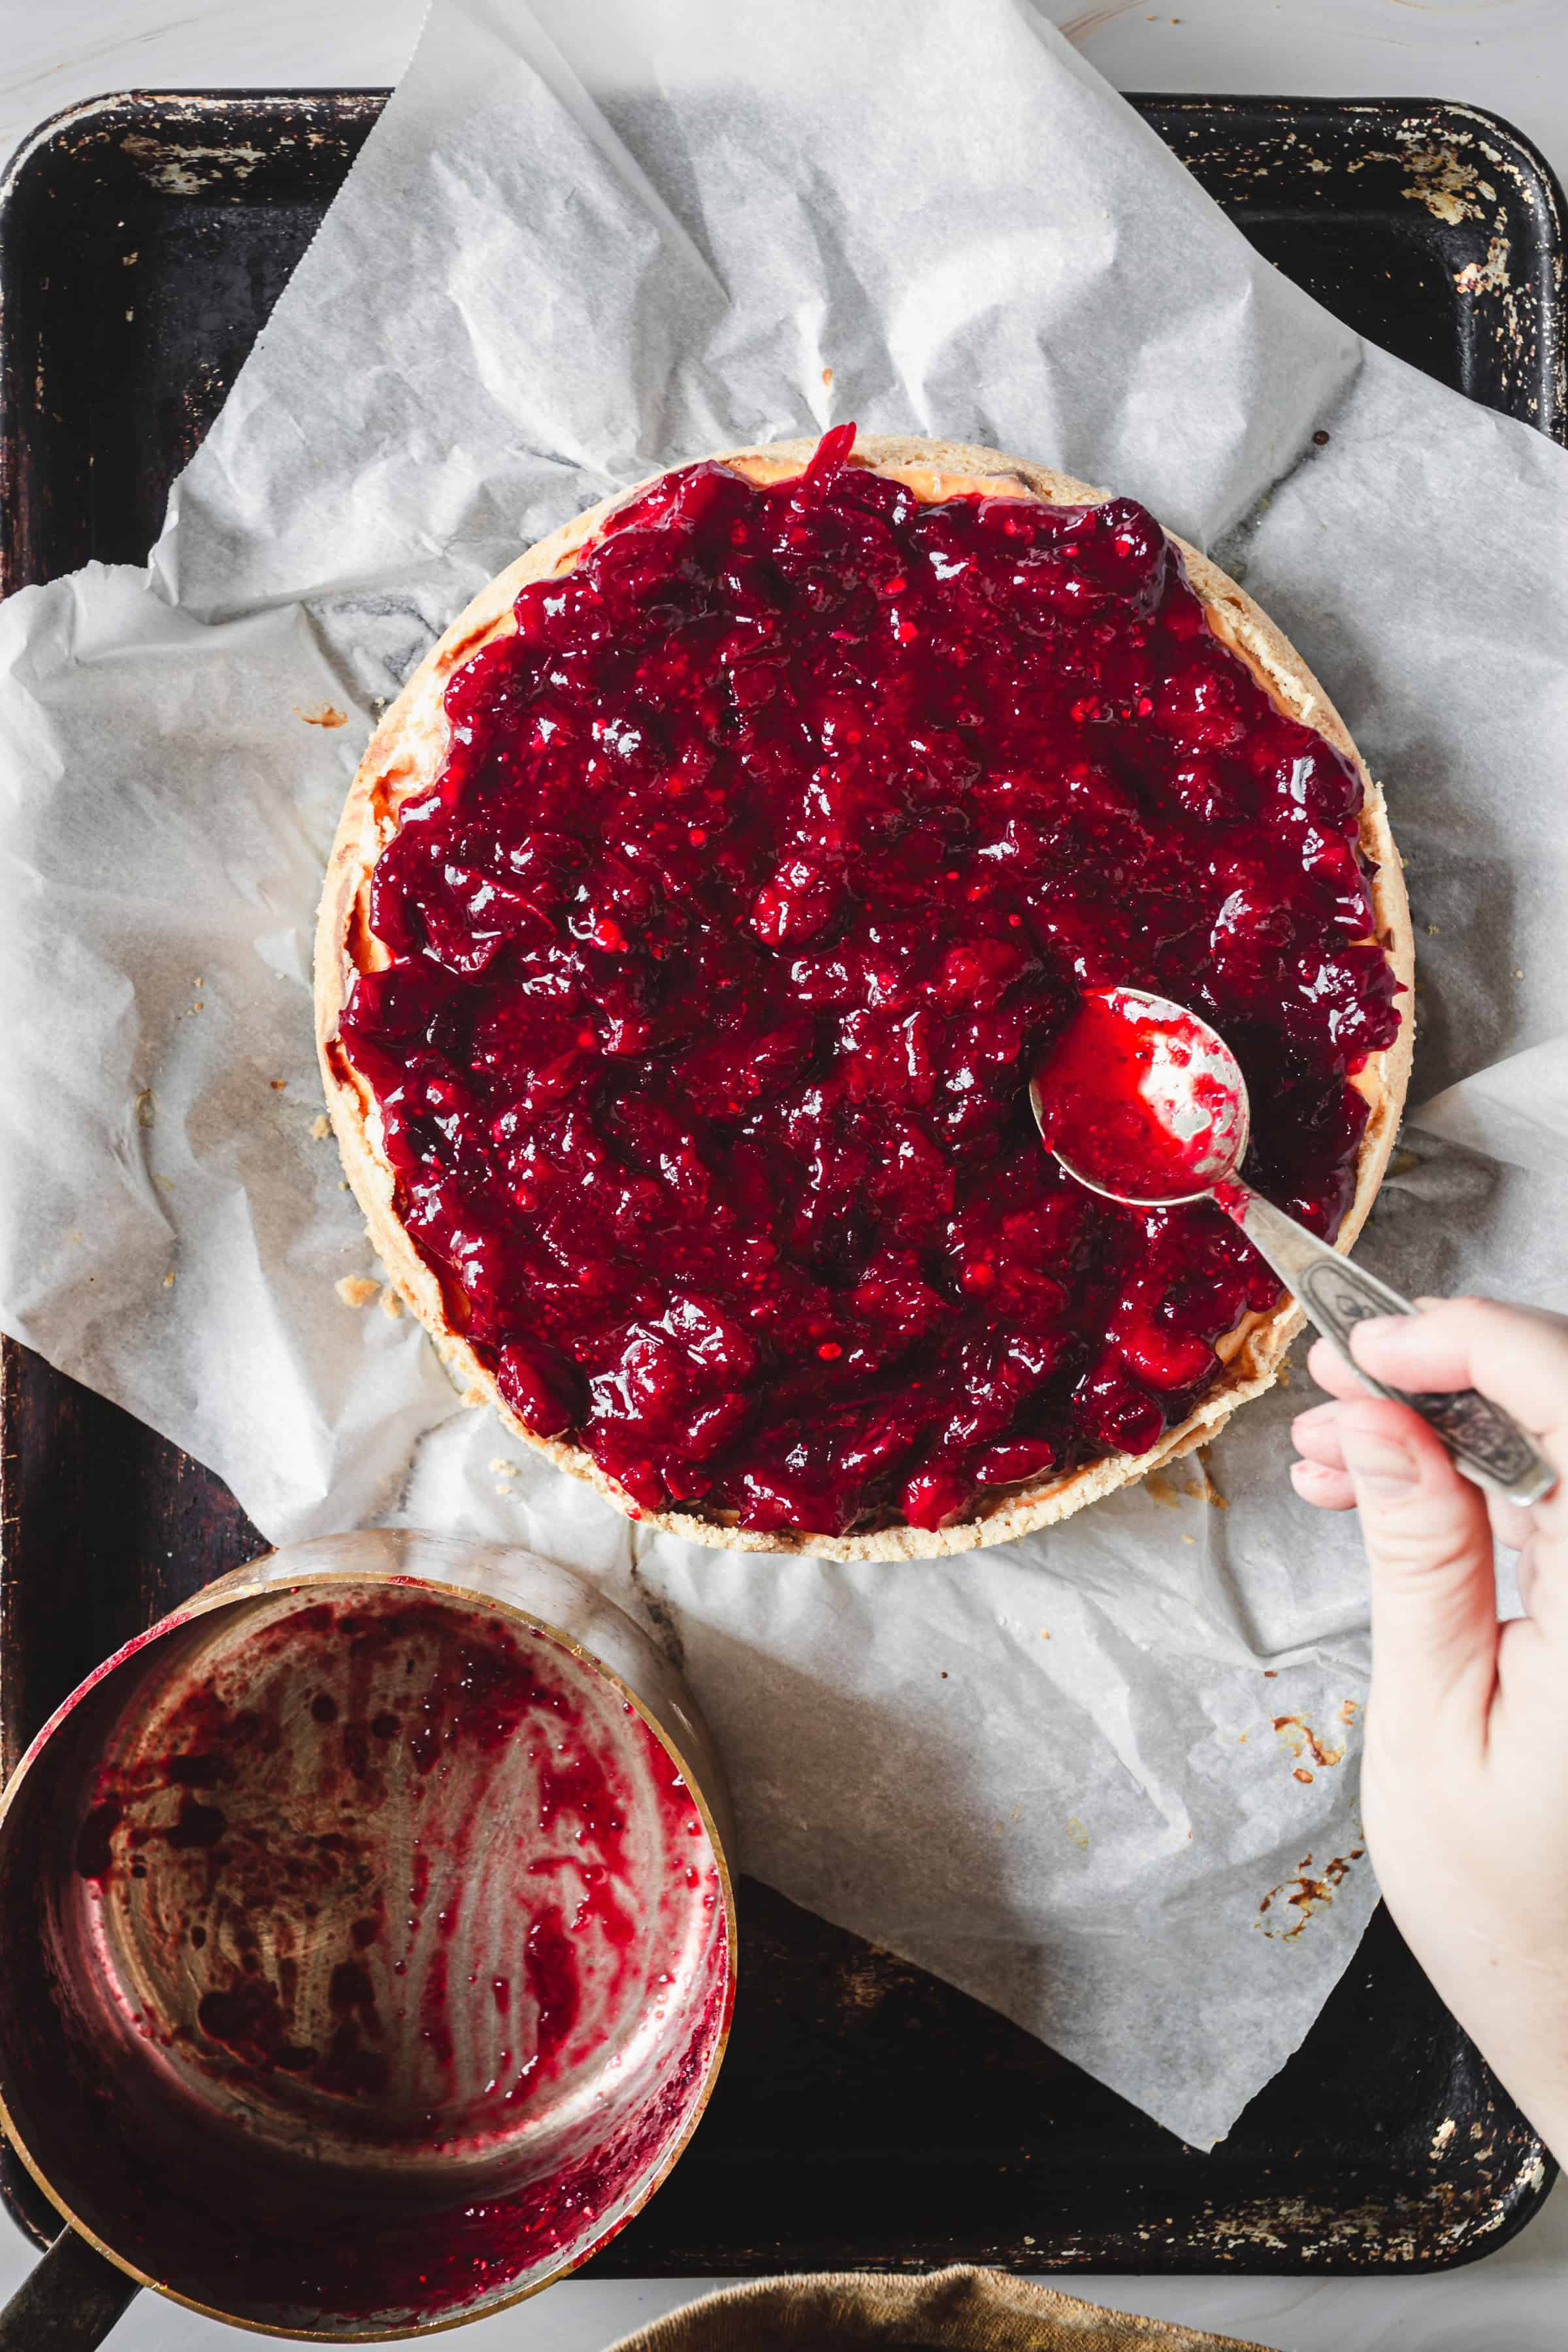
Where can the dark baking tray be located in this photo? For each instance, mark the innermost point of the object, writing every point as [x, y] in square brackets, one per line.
[868, 2116]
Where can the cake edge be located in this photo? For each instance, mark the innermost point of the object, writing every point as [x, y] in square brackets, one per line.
[408, 750]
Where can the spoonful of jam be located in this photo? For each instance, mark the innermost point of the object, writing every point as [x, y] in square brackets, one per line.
[1142, 1101]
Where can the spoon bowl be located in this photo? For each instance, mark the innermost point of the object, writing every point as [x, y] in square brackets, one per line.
[1140, 1101]
[1144, 1103]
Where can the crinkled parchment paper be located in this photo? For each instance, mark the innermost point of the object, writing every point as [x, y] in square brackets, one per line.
[582, 245]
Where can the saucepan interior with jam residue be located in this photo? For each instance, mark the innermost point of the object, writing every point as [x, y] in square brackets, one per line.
[368, 1956]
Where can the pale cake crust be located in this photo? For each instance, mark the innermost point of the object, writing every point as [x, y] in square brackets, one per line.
[407, 753]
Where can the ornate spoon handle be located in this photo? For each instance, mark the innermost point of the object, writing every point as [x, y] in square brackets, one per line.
[1486, 1444]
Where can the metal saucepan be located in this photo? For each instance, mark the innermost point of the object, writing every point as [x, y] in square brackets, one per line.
[367, 1946]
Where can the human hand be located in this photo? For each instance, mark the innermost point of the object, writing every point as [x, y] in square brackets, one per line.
[1465, 1776]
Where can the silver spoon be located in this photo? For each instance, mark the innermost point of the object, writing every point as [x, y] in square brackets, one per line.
[1195, 1092]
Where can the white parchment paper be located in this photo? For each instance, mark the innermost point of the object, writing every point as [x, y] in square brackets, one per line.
[1102, 1779]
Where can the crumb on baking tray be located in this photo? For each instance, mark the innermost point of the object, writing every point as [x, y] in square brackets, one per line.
[356, 1289]
[1310, 1894]
[321, 1126]
[1299, 1740]
[1211, 1493]
[328, 716]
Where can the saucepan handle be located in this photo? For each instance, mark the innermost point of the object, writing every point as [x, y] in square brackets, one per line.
[67, 2303]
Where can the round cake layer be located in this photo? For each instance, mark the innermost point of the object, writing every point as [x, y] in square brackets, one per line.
[701, 915]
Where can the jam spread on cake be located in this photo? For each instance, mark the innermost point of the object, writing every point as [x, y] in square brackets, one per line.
[770, 856]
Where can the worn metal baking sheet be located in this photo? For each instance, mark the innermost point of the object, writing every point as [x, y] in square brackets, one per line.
[869, 2117]
[1433, 229]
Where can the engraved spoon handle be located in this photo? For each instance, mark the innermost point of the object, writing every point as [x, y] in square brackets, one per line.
[1486, 1444]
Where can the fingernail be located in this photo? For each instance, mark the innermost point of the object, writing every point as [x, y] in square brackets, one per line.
[1373, 1326]
[1381, 1463]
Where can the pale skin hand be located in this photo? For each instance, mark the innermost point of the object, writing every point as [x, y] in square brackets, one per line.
[1465, 1780]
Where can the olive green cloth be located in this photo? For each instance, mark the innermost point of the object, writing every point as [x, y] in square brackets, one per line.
[957, 2310]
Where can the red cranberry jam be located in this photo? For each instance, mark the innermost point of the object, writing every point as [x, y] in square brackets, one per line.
[1134, 1099]
[769, 855]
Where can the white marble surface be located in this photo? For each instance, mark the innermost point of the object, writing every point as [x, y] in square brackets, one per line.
[1508, 55]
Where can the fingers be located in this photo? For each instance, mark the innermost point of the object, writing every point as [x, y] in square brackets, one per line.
[1513, 1355]
[1524, 1573]
[1320, 1476]
[1332, 1370]
[1316, 1436]
[1327, 1489]
[1512, 1526]
[1427, 1536]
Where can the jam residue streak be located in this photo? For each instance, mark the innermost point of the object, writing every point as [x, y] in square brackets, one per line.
[769, 855]
[1126, 1098]
[408, 1928]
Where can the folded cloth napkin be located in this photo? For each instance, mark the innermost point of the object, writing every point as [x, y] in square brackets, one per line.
[958, 2310]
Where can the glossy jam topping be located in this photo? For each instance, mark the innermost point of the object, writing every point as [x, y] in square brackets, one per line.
[1140, 1098]
[769, 855]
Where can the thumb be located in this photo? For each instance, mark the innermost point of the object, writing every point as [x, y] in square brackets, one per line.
[1434, 1597]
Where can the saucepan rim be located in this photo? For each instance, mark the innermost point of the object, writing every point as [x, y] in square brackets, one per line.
[242, 1584]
